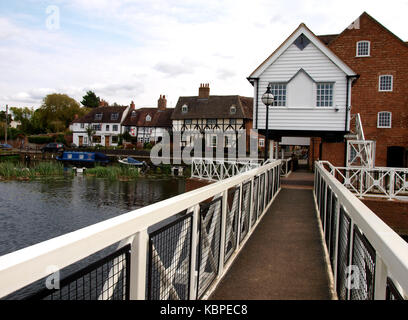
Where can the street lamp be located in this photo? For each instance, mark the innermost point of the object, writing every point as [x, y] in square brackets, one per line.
[267, 99]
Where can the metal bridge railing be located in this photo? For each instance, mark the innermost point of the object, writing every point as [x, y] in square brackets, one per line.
[179, 248]
[383, 182]
[217, 169]
[368, 259]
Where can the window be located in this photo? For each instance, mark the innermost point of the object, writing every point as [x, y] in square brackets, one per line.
[107, 127]
[134, 113]
[385, 83]
[261, 142]
[115, 127]
[232, 121]
[214, 141]
[148, 118]
[96, 139]
[187, 121]
[98, 116]
[96, 127]
[324, 95]
[114, 139]
[279, 93]
[384, 119]
[184, 109]
[115, 116]
[363, 49]
[211, 121]
[85, 140]
[82, 125]
[233, 109]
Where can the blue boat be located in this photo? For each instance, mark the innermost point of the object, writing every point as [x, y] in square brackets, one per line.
[83, 158]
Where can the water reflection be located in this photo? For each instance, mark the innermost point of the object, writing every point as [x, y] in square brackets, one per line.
[35, 211]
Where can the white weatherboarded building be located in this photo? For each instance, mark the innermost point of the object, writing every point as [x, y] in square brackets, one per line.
[311, 86]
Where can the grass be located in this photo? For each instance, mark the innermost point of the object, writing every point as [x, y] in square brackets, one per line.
[13, 170]
[113, 172]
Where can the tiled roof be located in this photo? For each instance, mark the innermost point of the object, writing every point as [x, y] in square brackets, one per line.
[106, 115]
[159, 118]
[327, 38]
[213, 107]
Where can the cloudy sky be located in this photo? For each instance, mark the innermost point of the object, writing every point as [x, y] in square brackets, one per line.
[138, 49]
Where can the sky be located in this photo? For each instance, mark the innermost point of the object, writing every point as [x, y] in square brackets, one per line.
[137, 50]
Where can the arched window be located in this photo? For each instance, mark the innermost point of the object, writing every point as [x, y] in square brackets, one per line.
[133, 114]
[384, 119]
[184, 109]
[148, 118]
[233, 109]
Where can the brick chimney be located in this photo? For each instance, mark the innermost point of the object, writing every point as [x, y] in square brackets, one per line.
[103, 103]
[162, 103]
[204, 91]
[132, 105]
[76, 116]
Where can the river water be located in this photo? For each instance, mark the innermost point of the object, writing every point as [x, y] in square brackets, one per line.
[35, 211]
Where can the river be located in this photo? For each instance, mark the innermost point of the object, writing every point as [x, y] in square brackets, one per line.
[35, 211]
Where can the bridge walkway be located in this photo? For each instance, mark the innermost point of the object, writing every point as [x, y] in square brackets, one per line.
[284, 258]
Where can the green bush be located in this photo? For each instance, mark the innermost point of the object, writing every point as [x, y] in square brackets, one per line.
[40, 139]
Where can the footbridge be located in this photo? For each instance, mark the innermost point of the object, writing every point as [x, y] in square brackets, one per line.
[251, 235]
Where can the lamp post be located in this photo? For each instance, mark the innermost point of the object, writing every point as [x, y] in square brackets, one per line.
[267, 99]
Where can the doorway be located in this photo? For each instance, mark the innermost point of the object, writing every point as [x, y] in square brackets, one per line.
[396, 157]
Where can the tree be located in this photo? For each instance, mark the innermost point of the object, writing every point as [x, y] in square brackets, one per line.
[57, 112]
[90, 100]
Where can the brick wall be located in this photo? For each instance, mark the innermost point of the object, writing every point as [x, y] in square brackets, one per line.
[388, 56]
[393, 212]
[334, 153]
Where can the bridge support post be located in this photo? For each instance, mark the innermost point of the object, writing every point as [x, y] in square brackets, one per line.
[138, 262]
[193, 261]
[380, 284]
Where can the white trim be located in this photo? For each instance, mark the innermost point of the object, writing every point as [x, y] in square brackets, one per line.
[379, 82]
[313, 39]
[369, 48]
[378, 119]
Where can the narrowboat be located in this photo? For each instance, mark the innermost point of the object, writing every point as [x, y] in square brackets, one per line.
[83, 158]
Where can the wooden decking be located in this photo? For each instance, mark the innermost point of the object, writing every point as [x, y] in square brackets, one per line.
[284, 258]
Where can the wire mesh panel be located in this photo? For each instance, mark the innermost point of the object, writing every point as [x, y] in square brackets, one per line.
[270, 185]
[276, 180]
[231, 232]
[209, 250]
[364, 261]
[255, 201]
[327, 222]
[245, 208]
[169, 261]
[322, 200]
[106, 279]
[392, 292]
[318, 191]
[343, 254]
[333, 228]
[261, 194]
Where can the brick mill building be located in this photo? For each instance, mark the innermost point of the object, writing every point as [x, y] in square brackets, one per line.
[321, 82]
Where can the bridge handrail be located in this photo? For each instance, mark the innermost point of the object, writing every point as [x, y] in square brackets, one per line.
[25, 266]
[391, 250]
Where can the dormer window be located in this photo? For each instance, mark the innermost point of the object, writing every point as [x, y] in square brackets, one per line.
[133, 114]
[148, 118]
[363, 49]
[184, 109]
[98, 116]
[114, 116]
[233, 109]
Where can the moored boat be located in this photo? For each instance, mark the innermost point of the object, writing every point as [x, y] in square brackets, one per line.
[83, 158]
[132, 161]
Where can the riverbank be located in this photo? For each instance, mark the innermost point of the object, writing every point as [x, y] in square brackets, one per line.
[12, 170]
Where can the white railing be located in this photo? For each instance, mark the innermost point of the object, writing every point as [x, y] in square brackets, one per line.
[368, 259]
[234, 226]
[217, 169]
[383, 182]
[286, 167]
[360, 152]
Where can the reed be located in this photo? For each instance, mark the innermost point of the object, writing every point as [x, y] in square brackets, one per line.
[13, 170]
[113, 172]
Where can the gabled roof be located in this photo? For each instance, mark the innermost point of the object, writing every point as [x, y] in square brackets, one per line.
[106, 115]
[158, 118]
[302, 28]
[214, 107]
[365, 14]
[327, 38]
